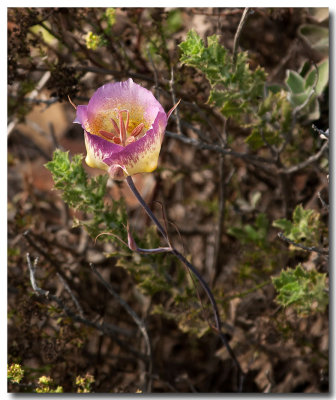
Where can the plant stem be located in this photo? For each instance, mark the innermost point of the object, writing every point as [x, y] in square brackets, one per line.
[238, 33]
[204, 285]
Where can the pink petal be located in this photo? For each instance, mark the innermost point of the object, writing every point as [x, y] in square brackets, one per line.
[81, 115]
[98, 149]
[124, 95]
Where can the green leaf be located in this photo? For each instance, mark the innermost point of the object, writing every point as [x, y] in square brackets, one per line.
[323, 76]
[317, 37]
[305, 67]
[256, 233]
[87, 195]
[174, 21]
[235, 89]
[272, 120]
[305, 226]
[192, 48]
[299, 98]
[305, 290]
[295, 82]
[283, 224]
[311, 89]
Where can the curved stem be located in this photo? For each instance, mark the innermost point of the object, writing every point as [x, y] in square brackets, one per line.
[204, 285]
[131, 185]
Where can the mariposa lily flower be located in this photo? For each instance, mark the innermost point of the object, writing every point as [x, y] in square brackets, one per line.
[124, 126]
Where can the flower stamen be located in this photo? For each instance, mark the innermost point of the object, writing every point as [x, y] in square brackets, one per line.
[127, 118]
[117, 140]
[137, 130]
[122, 129]
[109, 135]
[116, 127]
[119, 136]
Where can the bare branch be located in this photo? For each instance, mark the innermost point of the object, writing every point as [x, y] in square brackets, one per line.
[156, 79]
[33, 95]
[324, 204]
[221, 215]
[305, 163]
[107, 329]
[238, 33]
[32, 270]
[303, 105]
[53, 137]
[259, 161]
[172, 91]
[68, 289]
[135, 317]
[301, 246]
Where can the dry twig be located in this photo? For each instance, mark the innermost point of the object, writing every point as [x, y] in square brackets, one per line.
[238, 33]
[303, 247]
[136, 319]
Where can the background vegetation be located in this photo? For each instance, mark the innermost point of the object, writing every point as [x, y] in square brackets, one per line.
[242, 183]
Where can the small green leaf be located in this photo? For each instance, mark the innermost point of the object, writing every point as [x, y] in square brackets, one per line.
[300, 98]
[323, 76]
[295, 82]
[256, 233]
[283, 224]
[87, 195]
[304, 227]
[192, 48]
[174, 21]
[305, 67]
[305, 290]
[235, 88]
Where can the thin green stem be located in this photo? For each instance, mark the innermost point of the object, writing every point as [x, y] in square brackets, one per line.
[204, 285]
